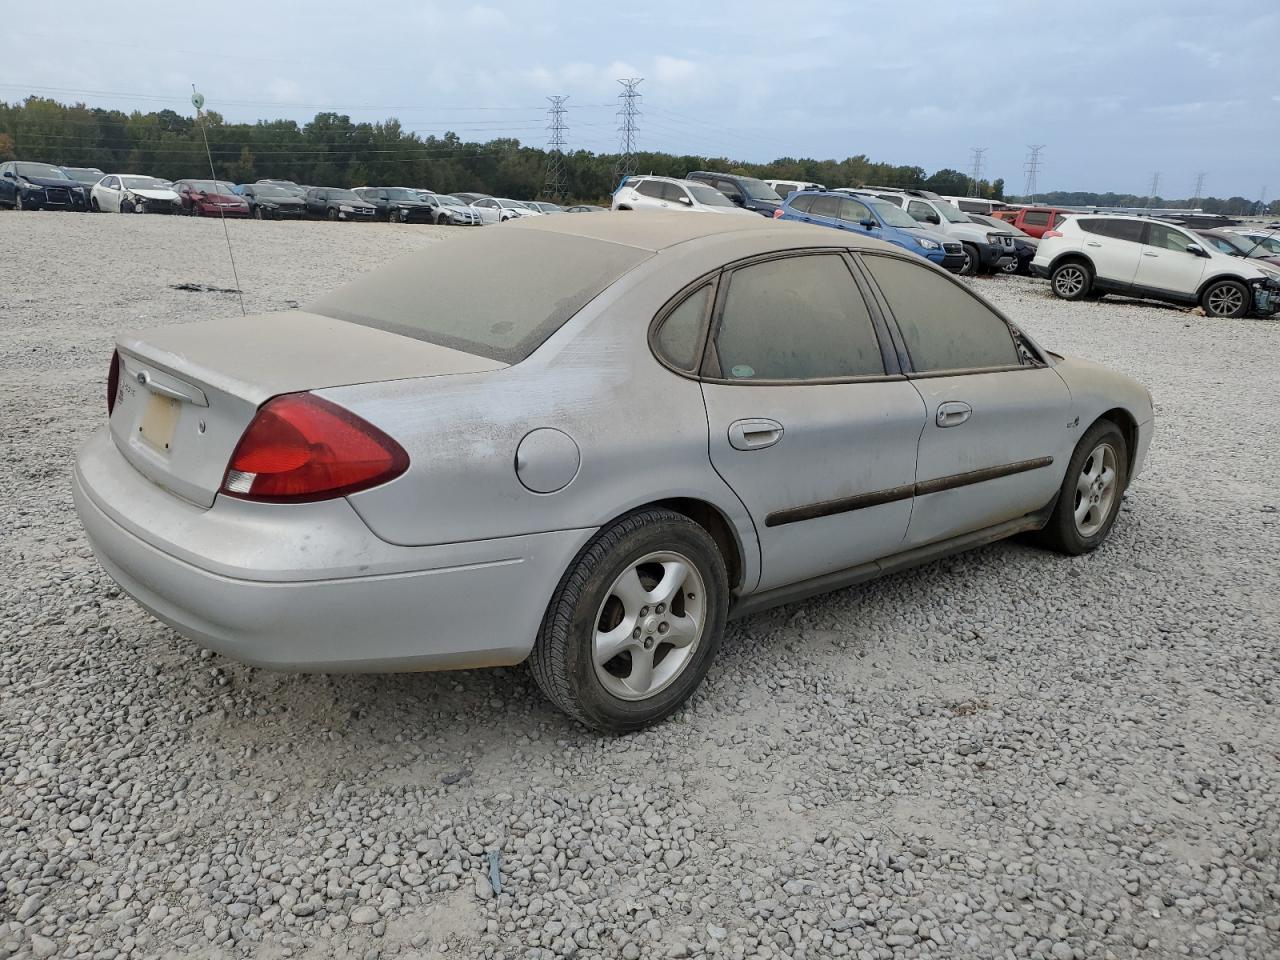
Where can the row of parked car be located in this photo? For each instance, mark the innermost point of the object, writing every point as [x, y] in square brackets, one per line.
[1227, 271]
[34, 186]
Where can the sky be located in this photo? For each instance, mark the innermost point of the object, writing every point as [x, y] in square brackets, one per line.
[1116, 90]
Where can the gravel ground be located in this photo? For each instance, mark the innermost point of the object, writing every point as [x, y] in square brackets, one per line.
[1005, 754]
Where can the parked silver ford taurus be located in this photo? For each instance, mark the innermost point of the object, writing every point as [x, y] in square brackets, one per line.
[587, 441]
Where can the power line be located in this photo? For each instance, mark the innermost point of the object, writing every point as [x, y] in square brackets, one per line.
[628, 115]
[555, 186]
[1199, 190]
[1032, 169]
[976, 155]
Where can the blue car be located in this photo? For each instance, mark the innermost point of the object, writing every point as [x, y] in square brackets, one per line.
[871, 217]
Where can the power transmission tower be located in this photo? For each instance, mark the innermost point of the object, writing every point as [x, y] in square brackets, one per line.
[628, 114]
[976, 155]
[1155, 188]
[1262, 196]
[1195, 198]
[554, 188]
[1033, 169]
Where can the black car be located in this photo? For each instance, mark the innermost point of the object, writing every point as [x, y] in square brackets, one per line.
[1024, 245]
[85, 176]
[288, 185]
[39, 186]
[335, 203]
[747, 192]
[269, 201]
[398, 204]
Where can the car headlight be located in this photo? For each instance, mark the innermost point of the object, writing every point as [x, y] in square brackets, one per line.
[346, 208]
[993, 238]
[28, 185]
[928, 244]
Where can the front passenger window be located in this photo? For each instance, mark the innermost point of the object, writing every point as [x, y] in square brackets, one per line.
[1167, 238]
[796, 318]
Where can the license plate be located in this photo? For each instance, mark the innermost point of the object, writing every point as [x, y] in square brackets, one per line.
[159, 420]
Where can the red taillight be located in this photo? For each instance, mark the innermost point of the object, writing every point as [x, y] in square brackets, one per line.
[777, 214]
[113, 381]
[300, 447]
[1050, 234]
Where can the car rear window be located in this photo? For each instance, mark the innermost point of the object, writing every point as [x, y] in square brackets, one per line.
[498, 295]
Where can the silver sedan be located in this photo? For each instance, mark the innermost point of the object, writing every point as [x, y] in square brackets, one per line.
[587, 442]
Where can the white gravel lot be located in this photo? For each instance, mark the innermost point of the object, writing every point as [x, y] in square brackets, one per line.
[1004, 754]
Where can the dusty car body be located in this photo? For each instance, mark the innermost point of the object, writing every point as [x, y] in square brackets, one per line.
[592, 457]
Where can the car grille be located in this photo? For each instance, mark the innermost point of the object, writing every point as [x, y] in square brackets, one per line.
[952, 248]
[57, 195]
[1006, 241]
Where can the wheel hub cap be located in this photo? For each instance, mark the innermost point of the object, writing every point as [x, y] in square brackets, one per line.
[1096, 490]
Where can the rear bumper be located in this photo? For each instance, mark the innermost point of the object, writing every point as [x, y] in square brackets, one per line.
[1040, 270]
[308, 586]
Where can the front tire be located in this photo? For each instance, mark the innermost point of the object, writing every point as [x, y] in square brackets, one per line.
[18, 203]
[1226, 299]
[258, 214]
[331, 214]
[1071, 280]
[1092, 489]
[972, 261]
[93, 205]
[634, 623]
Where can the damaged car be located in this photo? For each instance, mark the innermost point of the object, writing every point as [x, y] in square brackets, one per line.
[134, 193]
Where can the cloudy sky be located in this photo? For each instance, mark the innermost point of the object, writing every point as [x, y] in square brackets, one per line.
[1115, 89]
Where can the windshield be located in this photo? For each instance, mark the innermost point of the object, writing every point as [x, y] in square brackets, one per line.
[271, 190]
[145, 183]
[350, 196]
[1269, 243]
[892, 215]
[758, 189]
[403, 193]
[450, 201]
[708, 196]
[83, 175]
[950, 213]
[447, 295]
[43, 170]
[208, 186]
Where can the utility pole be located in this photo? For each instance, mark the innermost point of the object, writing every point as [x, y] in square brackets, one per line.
[1199, 190]
[554, 188]
[1155, 189]
[975, 171]
[628, 115]
[1033, 169]
[1262, 196]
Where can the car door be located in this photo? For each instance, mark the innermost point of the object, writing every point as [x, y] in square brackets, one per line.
[798, 209]
[811, 422]
[109, 199]
[487, 208]
[8, 184]
[1114, 247]
[996, 438]
[1166, 265]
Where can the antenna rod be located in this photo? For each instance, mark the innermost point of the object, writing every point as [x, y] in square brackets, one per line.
[197, 101]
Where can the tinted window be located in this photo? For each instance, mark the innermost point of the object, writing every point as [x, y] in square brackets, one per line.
[785, 189]
[1058, 218]
[728, 188]
[1168, 238]
[921, 211]
[1130, 230]
[1036, 218]
[944, 326]
[854, 212]
[435, 295]
[681, 332]
[896, 201]
[650, 188]
[798, 318]
[673, 192]
[972, 206]
[825, 207]
[802, 203]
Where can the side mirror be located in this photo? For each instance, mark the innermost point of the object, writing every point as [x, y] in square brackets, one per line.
[737, 198]
[868, 223]
[1197, 250]
[8, 175]
[686, 201]
[933, 218]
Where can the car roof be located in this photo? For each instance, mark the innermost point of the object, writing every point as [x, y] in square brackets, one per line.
[659, 230]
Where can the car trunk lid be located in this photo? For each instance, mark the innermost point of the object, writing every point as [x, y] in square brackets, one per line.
[187, 392]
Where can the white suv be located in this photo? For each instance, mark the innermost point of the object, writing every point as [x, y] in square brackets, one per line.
[668, 193]
[1092, 255]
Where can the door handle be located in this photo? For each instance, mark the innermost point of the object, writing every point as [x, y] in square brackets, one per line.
[1092, 243]
[1146, 254]
[952, 413]
[754, 434]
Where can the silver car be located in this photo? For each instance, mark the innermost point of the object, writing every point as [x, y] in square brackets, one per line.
[587, 442]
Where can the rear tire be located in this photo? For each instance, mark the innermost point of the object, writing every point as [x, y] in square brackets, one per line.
[1071, 280]
[1226, 299]
[1092, 490]
[972, 261]
[634, 623]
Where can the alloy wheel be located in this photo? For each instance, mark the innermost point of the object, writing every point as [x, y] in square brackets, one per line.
[1095, 490]
[1069, 281]
[649, 625]
[1225, 301]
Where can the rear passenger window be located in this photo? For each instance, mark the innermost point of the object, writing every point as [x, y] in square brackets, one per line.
[825, 207]
[680, 335]
[944, 326]
[798, 318]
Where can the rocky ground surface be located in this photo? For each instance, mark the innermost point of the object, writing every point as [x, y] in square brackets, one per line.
[1005, 754]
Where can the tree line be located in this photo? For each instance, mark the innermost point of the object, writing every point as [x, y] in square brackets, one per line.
[332, 150]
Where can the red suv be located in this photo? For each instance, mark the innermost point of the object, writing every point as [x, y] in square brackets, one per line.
[1033, 220]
